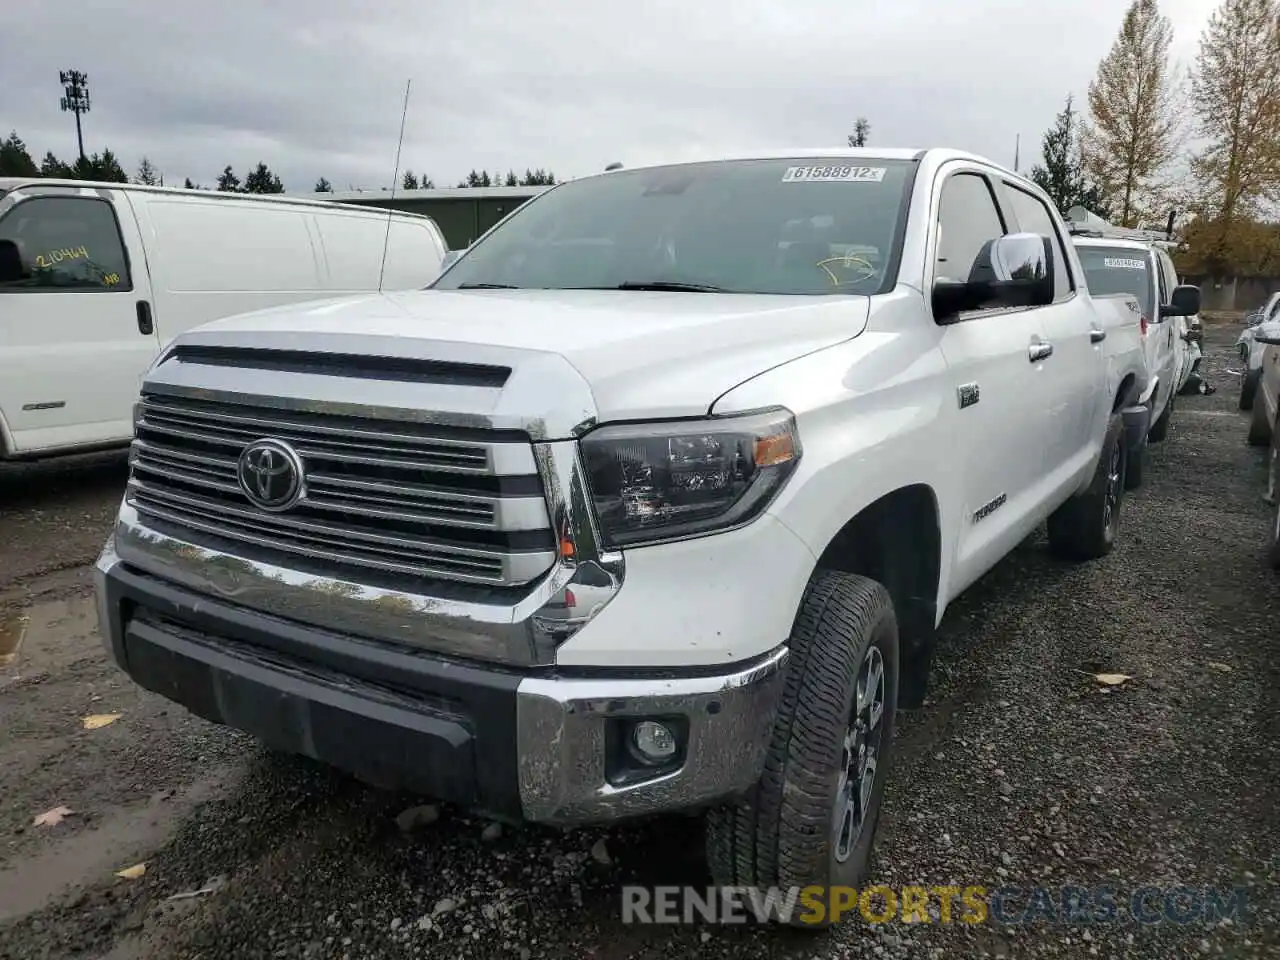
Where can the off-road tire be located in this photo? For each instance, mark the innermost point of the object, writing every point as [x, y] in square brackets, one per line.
[1160, 429]
[1083, 528]
[1259, 427]
[782, 834]
[1249, 388]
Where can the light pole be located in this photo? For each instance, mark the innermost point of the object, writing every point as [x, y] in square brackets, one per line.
[75, 99]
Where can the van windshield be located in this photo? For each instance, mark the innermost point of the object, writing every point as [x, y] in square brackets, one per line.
[1118, 270]
[800, 227]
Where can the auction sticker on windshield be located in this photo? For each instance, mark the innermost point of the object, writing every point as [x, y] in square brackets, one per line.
[1123, 263]
[838, 172]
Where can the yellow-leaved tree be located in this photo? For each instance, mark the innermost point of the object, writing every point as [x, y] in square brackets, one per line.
[1133, 130]
[1236, 97]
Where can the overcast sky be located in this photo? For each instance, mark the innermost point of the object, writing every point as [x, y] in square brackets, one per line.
[315, 89]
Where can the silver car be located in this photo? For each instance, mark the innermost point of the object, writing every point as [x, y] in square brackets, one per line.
[1251, 352]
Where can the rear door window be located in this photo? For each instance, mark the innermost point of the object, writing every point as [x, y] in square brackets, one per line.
[1111, 270]
[62, 243]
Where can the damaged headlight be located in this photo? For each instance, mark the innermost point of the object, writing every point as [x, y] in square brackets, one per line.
[659, 481]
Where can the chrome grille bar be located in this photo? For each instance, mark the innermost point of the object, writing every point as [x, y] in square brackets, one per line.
[380, 496]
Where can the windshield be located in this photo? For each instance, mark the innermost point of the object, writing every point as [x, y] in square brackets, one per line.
[1118, 270]
[808, 227]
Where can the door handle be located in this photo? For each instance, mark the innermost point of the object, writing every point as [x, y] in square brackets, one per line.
[1097, 336]
[1039, 351]
[145, 325]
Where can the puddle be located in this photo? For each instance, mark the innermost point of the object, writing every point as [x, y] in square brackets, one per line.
[13, 630]
[121, 837]
[48, 634]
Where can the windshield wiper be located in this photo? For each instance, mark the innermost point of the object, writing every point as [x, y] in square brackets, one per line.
[487, 286]
[673, 286]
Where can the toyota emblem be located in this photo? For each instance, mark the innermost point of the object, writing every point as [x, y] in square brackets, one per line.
[270, 474]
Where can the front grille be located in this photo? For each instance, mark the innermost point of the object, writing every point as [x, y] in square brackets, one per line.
[396, 498]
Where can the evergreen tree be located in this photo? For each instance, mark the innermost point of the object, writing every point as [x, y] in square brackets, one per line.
[323, 186]
[100, 167]
[1062, 175]
[228, 182]
[861, 130]
[15, 161]
[147, 174]
[51, 166]
[262, 180]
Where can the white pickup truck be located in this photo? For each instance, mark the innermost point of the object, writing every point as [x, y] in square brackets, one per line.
[652, 502]
[1124, 262]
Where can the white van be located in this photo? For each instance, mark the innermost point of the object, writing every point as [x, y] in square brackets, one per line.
[96, 278]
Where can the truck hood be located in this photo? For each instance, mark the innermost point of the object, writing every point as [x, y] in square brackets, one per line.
[641, 354]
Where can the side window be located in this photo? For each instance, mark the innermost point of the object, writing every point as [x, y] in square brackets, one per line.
[1162, 279]
[967, 219]
[1034, 217]
[62, 243]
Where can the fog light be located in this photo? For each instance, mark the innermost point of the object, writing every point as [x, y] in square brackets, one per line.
[654, 742]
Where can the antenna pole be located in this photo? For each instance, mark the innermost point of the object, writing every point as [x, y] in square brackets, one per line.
[1017, 151]
[395, 179]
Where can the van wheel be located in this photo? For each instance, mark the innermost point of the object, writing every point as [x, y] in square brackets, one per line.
[1259, 428]
[1160, 429]
[1249, 387]
[811, 818]
[1085, 527]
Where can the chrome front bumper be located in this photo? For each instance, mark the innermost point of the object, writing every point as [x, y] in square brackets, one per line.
[521, 630]
[533, 744]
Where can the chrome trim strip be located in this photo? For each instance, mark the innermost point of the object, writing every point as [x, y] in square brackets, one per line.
[523, 632]
[381, 499]
[560, 731]
[354, 444]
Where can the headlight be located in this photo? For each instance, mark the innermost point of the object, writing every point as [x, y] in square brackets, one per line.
[663, 481]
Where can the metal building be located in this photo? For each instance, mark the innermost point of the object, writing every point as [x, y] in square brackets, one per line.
[462, 213]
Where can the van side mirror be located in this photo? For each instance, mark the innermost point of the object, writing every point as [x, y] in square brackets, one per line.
[11, 270]
[1183, 302]
[1016, 270]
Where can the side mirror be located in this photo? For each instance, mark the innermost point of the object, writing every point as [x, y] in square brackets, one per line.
[1183, 302]
[450, 257]
[11, 270]
[1268, 333]
[1016, 270]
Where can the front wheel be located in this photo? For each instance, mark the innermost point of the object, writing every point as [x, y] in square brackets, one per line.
[811, 819]
[1085, 527]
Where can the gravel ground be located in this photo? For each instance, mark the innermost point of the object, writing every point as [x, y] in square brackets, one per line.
[1020, 770]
